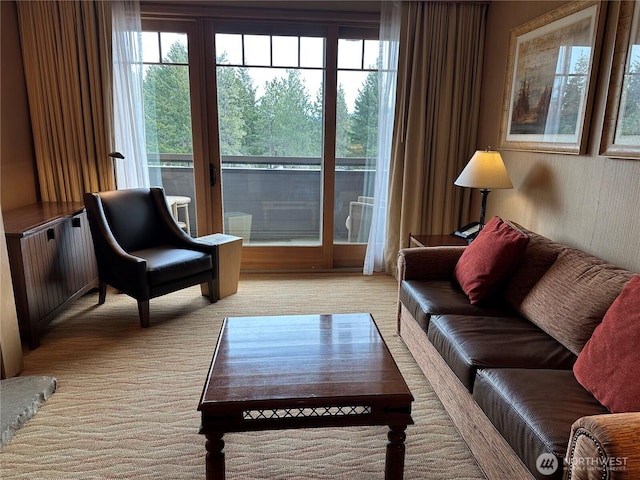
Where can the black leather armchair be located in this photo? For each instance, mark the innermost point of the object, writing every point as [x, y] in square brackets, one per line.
[141, 250]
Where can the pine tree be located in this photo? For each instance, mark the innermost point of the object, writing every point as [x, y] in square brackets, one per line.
[542, 109]
[167, 105]
[521, 107]
[231, 125]
[343, 125]
[285, 119]
[364, 123]
[249, 111]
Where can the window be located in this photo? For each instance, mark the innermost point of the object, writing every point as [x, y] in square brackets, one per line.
[356, 138]
[168, 131]
[270, 109]
[270, 121]
[270, 161]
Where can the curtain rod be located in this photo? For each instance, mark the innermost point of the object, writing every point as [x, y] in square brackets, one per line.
[157, 9]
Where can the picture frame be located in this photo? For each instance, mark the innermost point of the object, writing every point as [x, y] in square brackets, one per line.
[621, 128]
[551, 74]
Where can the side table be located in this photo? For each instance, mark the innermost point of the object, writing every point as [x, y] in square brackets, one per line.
[435, 241]
[228, 256]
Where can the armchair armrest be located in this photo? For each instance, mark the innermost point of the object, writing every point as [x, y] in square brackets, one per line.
[604, 446]
[428, 263]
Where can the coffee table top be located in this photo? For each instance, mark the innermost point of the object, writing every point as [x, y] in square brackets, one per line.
[302, 361]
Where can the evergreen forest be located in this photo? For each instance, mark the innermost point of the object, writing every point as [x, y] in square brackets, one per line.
[285, 121]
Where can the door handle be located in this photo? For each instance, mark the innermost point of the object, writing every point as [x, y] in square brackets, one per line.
[212, 175]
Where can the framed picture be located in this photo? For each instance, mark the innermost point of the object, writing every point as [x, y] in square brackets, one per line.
[550, 79]
[621, 131]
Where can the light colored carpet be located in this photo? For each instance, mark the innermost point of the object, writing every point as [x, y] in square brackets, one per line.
[126, 399]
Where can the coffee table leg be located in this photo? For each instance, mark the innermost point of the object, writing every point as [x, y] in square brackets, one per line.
[394, 466]
[215, 456]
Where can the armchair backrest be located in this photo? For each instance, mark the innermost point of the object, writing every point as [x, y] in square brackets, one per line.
[135, 217]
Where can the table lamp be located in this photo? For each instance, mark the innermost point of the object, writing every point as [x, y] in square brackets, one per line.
[485, 171]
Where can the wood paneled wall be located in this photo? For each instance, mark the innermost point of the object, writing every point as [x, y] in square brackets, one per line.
[586, 201]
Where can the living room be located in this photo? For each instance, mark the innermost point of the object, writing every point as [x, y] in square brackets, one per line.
[587, 199]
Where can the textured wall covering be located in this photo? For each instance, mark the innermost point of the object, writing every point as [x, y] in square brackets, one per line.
[586, 201]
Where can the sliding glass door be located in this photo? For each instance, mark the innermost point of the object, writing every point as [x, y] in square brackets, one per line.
[168, 121]
[273, 127]
[270, 92]
[356, 138]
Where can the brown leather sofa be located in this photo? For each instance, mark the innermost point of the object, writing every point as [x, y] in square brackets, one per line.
[503, 369]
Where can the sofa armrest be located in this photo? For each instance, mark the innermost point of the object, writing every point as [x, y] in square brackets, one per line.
[604, 446]
[428, 263]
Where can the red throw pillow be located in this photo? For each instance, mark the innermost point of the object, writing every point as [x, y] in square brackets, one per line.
[489, 259]
[607, 365]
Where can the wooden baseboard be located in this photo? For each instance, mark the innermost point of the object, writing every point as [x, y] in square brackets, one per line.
[495, 457]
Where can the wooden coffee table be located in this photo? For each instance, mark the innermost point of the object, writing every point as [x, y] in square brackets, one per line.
[299, 371]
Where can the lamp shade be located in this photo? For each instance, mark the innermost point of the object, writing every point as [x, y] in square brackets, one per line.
[485, 170]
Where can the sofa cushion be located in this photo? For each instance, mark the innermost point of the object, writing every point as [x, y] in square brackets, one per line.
[467, 343]
[166, 264]
[489, 259]
[534, 410]
[569, 301]
[607, 364]
[538, 258]
[423, 298]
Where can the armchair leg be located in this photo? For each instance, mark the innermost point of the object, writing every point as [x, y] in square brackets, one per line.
[213, 291]
[143, 312]
[102, 292]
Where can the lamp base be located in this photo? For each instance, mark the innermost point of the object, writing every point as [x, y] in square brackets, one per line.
[483, 209]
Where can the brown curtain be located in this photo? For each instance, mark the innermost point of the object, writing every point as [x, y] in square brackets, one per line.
[66, 48]
[437, 109]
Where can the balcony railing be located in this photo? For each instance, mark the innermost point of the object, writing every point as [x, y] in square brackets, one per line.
[271, 199]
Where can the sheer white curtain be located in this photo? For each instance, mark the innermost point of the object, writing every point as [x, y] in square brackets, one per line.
[390, 20]
[131, 172]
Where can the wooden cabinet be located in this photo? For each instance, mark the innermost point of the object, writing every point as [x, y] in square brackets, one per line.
[52, 262]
